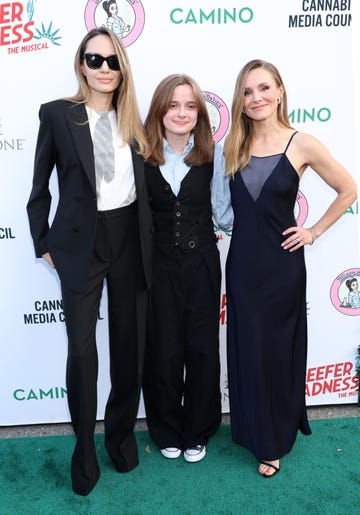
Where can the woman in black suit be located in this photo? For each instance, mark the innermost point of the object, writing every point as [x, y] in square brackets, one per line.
[101, 230]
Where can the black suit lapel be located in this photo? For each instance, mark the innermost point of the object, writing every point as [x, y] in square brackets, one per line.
[79, 127]
[139, 173]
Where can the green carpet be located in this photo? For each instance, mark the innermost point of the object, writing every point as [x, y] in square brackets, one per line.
[320, 476]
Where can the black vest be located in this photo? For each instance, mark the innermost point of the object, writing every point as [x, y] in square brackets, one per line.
[185, 220]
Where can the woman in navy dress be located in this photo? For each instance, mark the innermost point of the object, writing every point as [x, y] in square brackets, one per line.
[265, 269]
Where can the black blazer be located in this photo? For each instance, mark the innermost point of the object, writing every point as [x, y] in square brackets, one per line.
[64, 141]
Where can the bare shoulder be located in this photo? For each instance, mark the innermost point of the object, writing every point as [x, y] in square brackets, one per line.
[306, 142]
[308, 150]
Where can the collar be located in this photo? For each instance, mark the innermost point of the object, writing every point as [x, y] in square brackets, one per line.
[187, 148]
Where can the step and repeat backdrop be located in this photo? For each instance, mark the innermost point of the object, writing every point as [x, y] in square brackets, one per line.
[312, 44]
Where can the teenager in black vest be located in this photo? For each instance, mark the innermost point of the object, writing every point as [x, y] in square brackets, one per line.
[182, 367]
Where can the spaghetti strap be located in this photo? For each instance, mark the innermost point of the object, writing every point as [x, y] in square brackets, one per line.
[290, 140]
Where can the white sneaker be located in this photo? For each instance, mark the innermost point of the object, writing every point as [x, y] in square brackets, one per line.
[171, 452]
[194, 454]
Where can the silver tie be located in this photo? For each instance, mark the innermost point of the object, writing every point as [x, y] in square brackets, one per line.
[103, 148]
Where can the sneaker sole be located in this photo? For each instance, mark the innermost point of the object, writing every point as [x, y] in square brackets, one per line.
[170, 454]
[194, 459]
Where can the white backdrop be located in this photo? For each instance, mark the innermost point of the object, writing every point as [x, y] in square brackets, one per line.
[311, 42]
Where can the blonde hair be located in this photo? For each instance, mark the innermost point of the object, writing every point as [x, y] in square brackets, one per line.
[124, 98]
[238, 141]
[203, 149]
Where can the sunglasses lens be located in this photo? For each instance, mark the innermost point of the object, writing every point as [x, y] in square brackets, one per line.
[95, 61]
[113, 62]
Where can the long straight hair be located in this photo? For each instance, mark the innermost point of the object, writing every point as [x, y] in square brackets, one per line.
[203, 149]
[238, 141]
[124, 98]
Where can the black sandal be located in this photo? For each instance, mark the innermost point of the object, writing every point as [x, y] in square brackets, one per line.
[277, 469]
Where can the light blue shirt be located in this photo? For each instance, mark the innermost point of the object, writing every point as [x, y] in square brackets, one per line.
[175, 169]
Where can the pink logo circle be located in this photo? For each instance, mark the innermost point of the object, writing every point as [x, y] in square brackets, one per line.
[301, 208]
[345, 293]
[126, 18]
[218, 114]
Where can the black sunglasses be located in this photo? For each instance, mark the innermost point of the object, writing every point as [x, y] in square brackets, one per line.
[95, 61]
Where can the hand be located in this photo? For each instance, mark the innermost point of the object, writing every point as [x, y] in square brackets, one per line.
[48, 259]
[298, 237]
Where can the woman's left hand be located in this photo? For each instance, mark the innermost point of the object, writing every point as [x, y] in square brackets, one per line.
[298, 237]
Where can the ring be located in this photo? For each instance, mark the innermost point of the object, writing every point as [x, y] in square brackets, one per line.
[298, 240]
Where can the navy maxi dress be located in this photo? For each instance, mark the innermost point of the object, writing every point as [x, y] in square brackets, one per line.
[266, 304]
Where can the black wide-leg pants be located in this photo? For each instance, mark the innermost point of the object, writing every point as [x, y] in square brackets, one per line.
[116, 258]
[181, 384]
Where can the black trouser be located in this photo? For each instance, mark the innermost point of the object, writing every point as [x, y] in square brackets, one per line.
[182, 368]
[116, 258]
